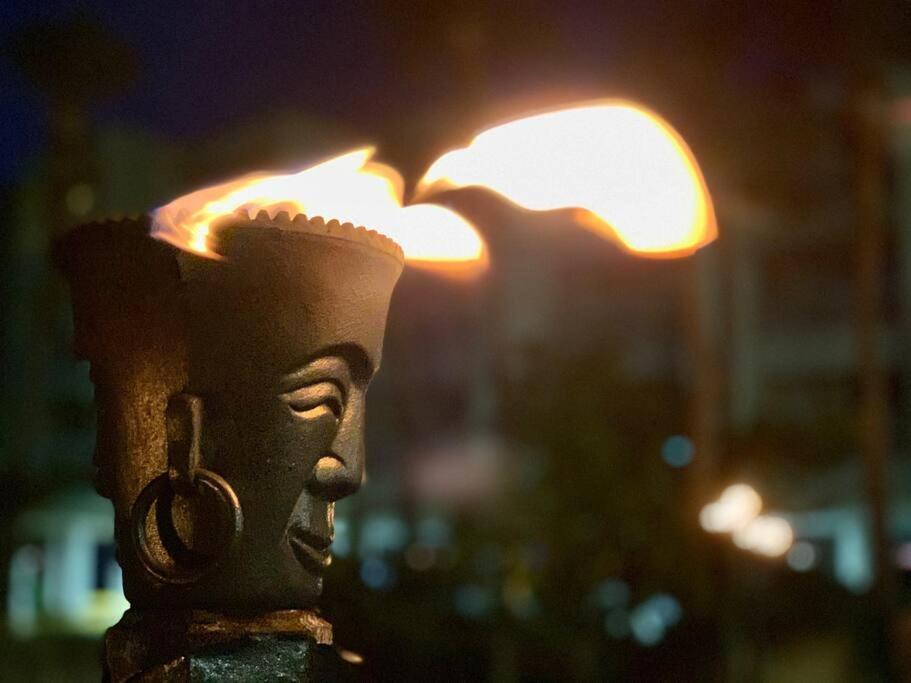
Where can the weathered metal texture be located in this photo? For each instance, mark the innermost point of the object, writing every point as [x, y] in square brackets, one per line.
[126, 292]
[230, 397]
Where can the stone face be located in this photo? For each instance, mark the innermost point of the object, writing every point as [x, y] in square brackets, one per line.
[230, 397]
[230, 401]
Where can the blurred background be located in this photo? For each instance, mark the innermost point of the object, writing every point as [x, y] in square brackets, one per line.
[543, 441]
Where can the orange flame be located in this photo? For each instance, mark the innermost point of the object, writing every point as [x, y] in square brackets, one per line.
[349, 188]
[629, 172]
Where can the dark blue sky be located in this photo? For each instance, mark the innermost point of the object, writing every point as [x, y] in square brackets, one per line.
[207, 64]
[204, 65]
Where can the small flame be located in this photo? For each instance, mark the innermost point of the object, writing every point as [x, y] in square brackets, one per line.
[348, 188]
[630, 175]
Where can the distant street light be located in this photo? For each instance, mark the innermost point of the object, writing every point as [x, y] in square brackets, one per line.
[738, 506]
[766, 535]
[737, 512]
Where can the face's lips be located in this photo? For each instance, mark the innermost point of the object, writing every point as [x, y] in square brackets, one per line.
[310, 549]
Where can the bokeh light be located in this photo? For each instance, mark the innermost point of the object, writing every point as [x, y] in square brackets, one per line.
[678, 451]
[802, 556]
[766, 535]
[738, 506]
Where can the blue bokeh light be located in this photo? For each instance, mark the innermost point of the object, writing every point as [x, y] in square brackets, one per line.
[678, 451]
[378, 574]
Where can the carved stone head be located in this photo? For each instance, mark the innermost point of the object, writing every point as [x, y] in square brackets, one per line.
[230, 399]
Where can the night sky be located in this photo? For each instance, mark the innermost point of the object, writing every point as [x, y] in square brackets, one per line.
[203, 66]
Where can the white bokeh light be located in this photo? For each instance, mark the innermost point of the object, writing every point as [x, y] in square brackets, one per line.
[766, 535]
[738, 506]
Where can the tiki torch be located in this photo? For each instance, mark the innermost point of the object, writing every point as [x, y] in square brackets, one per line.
[232, 335]
[231, 353]
[230, 397]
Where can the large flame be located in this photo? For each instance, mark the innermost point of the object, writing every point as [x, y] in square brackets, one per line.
[629, 172]
[349, 188]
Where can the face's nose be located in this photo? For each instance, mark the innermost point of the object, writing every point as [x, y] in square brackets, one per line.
[339, 472]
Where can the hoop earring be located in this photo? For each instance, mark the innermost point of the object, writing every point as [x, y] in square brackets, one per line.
[186, 565]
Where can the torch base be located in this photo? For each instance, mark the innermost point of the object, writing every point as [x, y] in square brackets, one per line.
[193, 645]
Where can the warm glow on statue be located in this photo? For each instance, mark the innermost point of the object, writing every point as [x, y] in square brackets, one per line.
[230, 399]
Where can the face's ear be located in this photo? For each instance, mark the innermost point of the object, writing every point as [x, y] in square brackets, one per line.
[184, 425]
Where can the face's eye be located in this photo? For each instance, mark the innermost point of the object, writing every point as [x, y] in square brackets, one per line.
[317, 400]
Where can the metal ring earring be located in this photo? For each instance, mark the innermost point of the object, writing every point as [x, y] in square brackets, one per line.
[183, 564]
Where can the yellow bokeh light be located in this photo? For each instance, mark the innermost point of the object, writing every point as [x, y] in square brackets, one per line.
[766, 535]
[738, 505]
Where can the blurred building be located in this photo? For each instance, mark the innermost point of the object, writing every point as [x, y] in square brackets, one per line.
[63, 575]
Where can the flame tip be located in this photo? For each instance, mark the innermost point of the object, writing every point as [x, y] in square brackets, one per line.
[614, 159]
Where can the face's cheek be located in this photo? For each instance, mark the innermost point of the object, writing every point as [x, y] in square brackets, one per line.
[286, 456]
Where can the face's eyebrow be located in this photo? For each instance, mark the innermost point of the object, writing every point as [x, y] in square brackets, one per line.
[322, 368]
[358, 360]
[343, 363]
